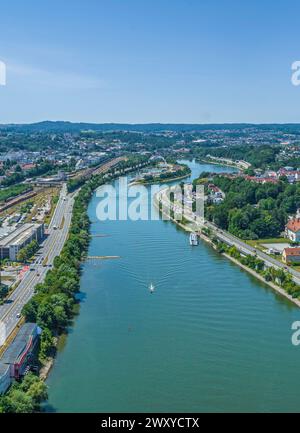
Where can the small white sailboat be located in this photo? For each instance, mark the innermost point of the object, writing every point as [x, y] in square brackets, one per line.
[151, 288]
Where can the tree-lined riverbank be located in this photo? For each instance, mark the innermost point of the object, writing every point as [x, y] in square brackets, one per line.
[189, 346]
[278, 279]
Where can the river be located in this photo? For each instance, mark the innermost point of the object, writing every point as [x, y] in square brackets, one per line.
[211, 338]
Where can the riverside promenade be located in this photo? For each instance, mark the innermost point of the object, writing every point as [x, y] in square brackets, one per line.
[198, 225]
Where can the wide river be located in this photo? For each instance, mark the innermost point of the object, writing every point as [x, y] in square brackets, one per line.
[210, 338]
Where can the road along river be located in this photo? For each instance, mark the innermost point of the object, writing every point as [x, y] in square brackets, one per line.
[210, 338]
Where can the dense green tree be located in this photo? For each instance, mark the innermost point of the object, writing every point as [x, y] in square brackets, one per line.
[18, 401]
[3, 291]
[252, 210]
[46, 344]
[45, 315]
[30, 309]
[28, 251]
[38, 393]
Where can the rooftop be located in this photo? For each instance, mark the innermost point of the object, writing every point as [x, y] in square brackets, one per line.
[292, 251]
[19, 235]
[3, 369]
[18, 344]
[293, 225]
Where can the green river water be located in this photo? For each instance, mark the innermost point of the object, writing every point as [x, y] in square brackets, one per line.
[211, 337]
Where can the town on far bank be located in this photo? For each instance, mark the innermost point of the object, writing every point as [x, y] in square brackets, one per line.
[36, 160]
[260, 208]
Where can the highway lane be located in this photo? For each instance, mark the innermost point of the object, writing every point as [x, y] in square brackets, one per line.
[242, 246]
[10, 312]
[58, 230]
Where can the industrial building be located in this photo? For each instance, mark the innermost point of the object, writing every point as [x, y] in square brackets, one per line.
[19, 355]
[11, 244]
[55, 180]
[5, 378]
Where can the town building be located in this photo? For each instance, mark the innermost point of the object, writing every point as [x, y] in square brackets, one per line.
[19, 356]
[27, 167]
[291, 174]
[11, 244]
[292, 230]
[261, 180]
[291, 255]
[216, 195]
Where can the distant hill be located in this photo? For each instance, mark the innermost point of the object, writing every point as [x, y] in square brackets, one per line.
[61, 126]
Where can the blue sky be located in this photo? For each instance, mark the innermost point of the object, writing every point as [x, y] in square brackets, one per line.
[140, 61]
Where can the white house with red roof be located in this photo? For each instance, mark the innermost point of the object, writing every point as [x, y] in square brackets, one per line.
[292, 230]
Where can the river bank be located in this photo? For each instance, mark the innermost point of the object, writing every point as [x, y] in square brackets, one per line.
[261, 278]
[205, 238]
[156, 181]
[226, 164]
[190, 345]
[83, 195]
[46, 368]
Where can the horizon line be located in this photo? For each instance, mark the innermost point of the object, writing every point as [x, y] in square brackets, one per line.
[146, 123]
